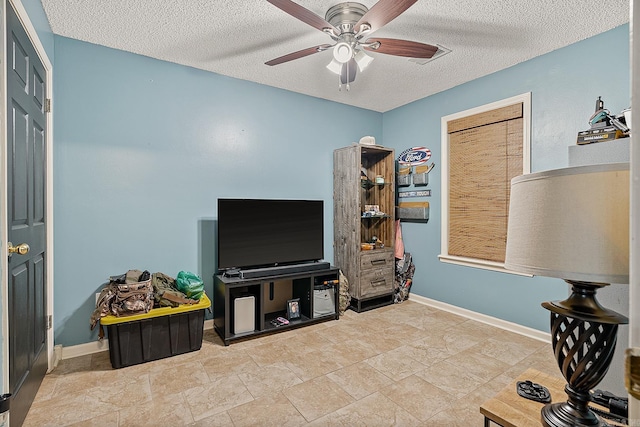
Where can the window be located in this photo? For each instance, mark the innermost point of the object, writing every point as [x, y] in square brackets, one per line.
[482, 149]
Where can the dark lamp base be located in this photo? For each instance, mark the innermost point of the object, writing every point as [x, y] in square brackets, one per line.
[562, 414]
[583, 335]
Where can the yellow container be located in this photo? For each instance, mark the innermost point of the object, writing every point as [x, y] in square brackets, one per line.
[160, 333]
[157, 312]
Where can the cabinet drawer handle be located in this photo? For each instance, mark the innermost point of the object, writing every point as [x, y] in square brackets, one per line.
[378, 261]
[378, 282]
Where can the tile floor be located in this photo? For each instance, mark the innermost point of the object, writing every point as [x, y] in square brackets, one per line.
[401, 365]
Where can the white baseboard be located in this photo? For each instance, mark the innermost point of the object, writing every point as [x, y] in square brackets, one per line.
[483, 318]
[101, 345]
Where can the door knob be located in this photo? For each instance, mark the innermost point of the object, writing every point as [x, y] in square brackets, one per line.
[20, 249]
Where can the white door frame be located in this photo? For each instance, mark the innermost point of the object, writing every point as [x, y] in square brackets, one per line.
[31, 32]
[634, 261]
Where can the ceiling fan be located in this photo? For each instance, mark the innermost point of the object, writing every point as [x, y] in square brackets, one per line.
[350, 24]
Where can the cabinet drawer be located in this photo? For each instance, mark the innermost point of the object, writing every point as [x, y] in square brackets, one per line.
[374, 260]
[376, 282]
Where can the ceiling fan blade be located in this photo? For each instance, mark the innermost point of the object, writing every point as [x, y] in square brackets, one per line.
[299, 54]
[303, 14]
[401, 48]
[383, 12]
[348, 73]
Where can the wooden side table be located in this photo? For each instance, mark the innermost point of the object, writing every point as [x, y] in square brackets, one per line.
[508, 409]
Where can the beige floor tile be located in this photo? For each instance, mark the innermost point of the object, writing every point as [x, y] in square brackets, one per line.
[543, 360]
[75, 364]
[439, 345]
[273, 410]
[318, 397]
[268, 380]
[403, 364]
[311, 365]
[64, 410]
[418, 397]
[163, 410]
[270, 353]
[354, 351]
[218, 420]
[481, 366]
[123, 393]
[380, 343]
[457, 417]
[217, 396]
[507, 351]
[395, 364]
[373, 410]
[104, 420]
[222, 365]
[47, 387]
[450, 378]
[360, 379]
[178, 378]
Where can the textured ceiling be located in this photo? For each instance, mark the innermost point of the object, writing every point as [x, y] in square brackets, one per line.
[236, 37]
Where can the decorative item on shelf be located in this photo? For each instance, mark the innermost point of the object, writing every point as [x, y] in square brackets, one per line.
[368, 140]
[372, 211]
[604, 126]
[573, 224]
[293, 309]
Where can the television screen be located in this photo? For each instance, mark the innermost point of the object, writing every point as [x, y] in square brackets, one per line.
[263, 233]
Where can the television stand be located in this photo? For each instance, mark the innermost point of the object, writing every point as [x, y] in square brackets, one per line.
[264, 298]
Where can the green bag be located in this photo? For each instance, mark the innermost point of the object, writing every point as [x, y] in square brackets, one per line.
[190, 284]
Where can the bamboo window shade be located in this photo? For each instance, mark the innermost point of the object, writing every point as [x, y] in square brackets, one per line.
[485, 152]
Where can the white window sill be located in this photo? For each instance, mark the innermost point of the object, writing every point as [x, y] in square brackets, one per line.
[479, 263]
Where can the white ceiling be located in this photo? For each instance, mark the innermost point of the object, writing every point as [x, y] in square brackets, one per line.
[236, 37]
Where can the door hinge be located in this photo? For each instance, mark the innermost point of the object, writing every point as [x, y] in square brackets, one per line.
[47, 105]
[49, 322]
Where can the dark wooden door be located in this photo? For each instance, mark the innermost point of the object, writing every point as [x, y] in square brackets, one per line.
[26, 206]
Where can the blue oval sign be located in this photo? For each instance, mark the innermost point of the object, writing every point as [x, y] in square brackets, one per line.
[414, 156]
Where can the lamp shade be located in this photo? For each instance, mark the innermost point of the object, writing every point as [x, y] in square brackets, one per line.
[571, 223]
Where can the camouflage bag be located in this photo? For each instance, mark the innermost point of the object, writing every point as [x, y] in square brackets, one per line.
[126, 294]
[165, 293]
[132, 298]
[345, 298]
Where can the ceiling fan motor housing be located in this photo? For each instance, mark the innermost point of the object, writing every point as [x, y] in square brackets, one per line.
[344, 16]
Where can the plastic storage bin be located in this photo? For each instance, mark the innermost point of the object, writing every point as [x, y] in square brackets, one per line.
[160, 333]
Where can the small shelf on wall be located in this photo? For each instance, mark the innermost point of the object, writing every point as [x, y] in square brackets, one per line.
[375, 216]
[413, 211]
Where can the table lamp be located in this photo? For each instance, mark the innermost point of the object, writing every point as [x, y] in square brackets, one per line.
[573, 224]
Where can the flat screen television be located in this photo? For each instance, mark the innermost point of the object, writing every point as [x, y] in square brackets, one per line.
[258, 233]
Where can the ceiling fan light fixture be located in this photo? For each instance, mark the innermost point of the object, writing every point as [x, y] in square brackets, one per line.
[335, 67]
[363, 60]
[342, 52]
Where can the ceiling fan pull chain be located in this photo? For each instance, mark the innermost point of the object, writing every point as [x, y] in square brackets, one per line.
[348, 85]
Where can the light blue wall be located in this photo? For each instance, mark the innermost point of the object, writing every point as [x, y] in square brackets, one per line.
[143, 148]
[564, 86]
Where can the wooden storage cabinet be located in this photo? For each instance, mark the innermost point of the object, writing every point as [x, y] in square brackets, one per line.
[270, 296]
[364, 176]
[377, 273]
